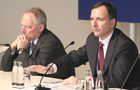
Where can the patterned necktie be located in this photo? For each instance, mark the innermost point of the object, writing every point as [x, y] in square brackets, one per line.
[101, 56]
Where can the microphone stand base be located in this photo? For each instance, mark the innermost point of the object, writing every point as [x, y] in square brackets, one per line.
[42, 88]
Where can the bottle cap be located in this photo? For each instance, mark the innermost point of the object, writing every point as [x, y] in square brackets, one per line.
[89, 79]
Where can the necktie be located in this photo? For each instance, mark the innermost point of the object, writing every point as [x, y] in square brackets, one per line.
[101, 56]
[32, 45]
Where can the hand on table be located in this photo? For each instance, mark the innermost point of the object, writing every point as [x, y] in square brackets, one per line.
[41, 69]
[71, 81]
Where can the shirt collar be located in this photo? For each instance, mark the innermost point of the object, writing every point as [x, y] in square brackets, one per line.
[35, 41]
[106, 40]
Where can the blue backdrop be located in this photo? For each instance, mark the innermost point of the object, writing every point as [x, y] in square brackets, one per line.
[127, 10]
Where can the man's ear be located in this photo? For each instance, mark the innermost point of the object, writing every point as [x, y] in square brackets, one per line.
[113, 22]
[41, 27]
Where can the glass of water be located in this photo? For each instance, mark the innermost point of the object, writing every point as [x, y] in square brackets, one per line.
[27, 77]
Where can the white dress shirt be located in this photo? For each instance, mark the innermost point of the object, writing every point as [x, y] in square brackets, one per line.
[105, 43]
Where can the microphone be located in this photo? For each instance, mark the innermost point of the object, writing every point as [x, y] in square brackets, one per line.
[137, 58]
[5, 44]
[44, 88]
[71, 43]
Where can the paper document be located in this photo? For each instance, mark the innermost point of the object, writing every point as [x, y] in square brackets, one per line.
[52, 84]
[58, 86]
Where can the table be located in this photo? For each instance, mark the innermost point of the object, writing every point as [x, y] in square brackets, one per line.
[5, 82]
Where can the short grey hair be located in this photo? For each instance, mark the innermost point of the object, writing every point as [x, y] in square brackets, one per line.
[39, 14]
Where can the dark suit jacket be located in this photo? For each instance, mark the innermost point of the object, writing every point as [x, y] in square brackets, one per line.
[120, 56]
[47, 49]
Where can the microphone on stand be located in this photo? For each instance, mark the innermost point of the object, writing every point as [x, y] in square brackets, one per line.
[71, 43]
[44, 88]
[131, 69]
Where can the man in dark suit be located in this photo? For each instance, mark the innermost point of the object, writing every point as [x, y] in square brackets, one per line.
[36, 46]
[120, 52]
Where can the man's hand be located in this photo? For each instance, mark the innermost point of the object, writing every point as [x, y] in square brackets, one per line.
[14, 45]
[71, 81]
[20, 42]
[41, 69]
[23, 42]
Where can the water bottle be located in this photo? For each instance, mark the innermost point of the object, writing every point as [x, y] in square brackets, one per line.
[99, 81]
[88, 83]
[20, 74]
[14, 74]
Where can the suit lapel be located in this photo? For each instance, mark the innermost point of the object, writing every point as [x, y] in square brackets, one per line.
[108, 57]
[36, 47]
[40, 41]
[110, 52]
[95, 55]
[92, 50]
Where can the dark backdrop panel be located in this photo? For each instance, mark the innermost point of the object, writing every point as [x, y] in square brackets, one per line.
[127, 10]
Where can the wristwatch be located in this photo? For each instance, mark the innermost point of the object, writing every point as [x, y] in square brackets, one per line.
[20, 50]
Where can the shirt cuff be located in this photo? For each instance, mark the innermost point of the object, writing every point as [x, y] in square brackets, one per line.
[13, 52]
[54, 67]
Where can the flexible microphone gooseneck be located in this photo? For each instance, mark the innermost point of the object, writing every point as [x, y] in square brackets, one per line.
[71, 43]
[137, 58]
[39, 86]
[5, 44]
[44, 88]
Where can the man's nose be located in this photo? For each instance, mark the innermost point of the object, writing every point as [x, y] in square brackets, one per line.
[95, 24]
[23, 30]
